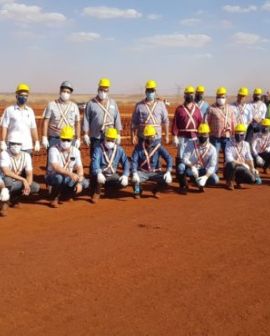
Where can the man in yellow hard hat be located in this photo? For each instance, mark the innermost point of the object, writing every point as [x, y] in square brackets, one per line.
[60, 113]
[186, 121]
[241, 107]
[239, 165]
[105, 163]
[65, 173]
[199, 100]
[199, 162]
[221, 120]
[20, 117]
[101, 113]
[261, 146]
[17, 171]
[145, 163]
[150, 111]
[258, 111]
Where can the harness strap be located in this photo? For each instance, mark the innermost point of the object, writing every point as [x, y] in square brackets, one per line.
[110, 160]
[190, 117]
[149, 156]
[107, 114]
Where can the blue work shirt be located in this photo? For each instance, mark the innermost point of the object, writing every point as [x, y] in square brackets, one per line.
[99, 163]
[139, 157]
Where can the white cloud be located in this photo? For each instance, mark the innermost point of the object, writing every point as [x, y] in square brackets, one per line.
[84, 37]
[104, 12]
[239, 9]
[190, 22]
[247, 39]
[154, 16]
[177, 40]
[266, 6]
[22, 13]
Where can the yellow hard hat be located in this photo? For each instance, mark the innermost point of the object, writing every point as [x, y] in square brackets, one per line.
[200, 89]
[149, 130]
[221, 91]
[240, 128]
[151, 84]
[265, 122]
[258, 91]
[189, 89]
[204, 128]
[104, 82]
[111, 133]
[67, 132]
[22, 87]
[243, 91]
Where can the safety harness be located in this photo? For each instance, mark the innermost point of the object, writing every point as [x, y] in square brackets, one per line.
[65, 159]
[241, 109]
[64, 110]
[191, 124]
[18, 163]
[109, 160]
[107, 118]
[148, 157]
[201, 152]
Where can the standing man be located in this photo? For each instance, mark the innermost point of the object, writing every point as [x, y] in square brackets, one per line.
[101, 113]
[261, 146]
[149, 111]
[17, 170]
[239, 165]
[199, 162]
[199, 100]
[58, 114]
[258, 111]
[241, 109]
[20, 118]
[221, 120]
[106, 159]
[65, 170]
[145, 163]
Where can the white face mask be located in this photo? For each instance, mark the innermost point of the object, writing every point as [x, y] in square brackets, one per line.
[221, 101]
[15, 149]
[102, 95]
[65, 145]
[65, 96]
[109, 144]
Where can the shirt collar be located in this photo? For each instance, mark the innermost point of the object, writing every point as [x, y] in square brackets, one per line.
[16, 107]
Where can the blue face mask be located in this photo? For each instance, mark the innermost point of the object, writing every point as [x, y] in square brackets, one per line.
[150, 96]
[21, 100]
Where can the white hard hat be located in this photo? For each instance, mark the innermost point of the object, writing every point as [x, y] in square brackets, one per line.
[15, 137]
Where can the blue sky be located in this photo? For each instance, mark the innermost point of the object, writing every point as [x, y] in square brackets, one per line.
[177, 43]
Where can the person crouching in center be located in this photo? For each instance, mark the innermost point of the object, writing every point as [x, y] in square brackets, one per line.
[65, 170]
[145, 163]
[199, 162]
[106, 158]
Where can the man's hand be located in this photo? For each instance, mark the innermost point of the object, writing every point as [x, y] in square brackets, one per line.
[26, 188]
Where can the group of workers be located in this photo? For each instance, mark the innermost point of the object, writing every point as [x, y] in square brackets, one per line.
[199, 130]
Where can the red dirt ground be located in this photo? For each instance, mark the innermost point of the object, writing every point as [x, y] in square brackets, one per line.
[195, 265]
[182, 265]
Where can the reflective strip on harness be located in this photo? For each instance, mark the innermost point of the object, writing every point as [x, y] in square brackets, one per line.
[65, 160]
[201, 156]
[17, 164]
[63, 113]
[148, 158]
[239, 153]
[265, 144]
[110, 160]
[107, 114]
[241, 109]
[190, 120]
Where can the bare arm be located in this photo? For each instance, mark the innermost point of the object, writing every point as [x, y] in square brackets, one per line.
[34, 133]
[4, 133]
[45, 127]
[78, 129]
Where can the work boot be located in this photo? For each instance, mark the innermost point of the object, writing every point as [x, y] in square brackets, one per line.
[137, 192]
[3, 209]
[156, 192]
[14, 202]
[230, 185]
[54, 197]
[96, 195]
[183, 190]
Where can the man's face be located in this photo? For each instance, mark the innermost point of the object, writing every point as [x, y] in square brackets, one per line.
[241, 99]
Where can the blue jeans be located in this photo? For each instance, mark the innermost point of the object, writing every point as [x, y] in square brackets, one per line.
[219, 144]
[16, 187]
[149, 176]
[58, 180]
[183, 142]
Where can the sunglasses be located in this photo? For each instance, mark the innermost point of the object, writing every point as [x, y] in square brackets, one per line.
[66, 140]
[15, 143]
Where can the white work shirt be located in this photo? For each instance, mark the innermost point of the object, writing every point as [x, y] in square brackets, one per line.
[257, 110]
[17, 164]
[261, 144]
[20, 120]
[201, 156]
[60, 114]
[242, 113]
[70, 160]
[237, 151]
